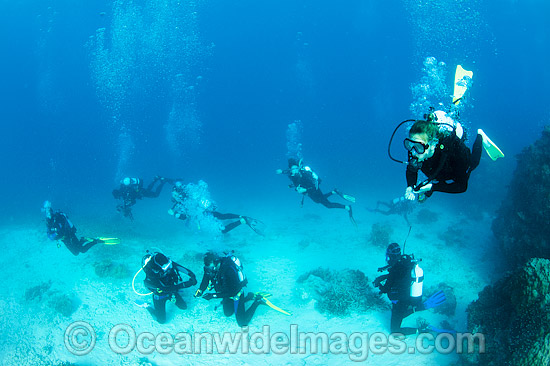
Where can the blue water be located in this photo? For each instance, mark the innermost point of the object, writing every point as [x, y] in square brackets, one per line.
[344, 70]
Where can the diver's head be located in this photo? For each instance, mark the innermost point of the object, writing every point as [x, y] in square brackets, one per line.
[211, 259]
[393, 254]
[294, 165]
[47, 209]
[422, 140]
[157, 263]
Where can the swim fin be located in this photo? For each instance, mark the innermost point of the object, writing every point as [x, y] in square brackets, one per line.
[262, 294]
[492, 150]
[463, 78]
[256, 225]
[439, 330]
[347, 197]
[109, 241]
[435, 300]
[263, 298]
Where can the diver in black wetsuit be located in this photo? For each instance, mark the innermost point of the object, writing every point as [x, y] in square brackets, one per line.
[131, 190]
[306, 182]
[442, 156]
[60, 228]
[164, 279]
[178, 210]
[403, 285]
[224, 274]
[399, 206]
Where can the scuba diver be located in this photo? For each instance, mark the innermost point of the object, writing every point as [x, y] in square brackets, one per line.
[164, 279]
[60, 228]
[403, 285]
[131, 189]
[306, 182]
[442, 156]
[436, 147]
[398, 206]
[180, 207]
[224, 274]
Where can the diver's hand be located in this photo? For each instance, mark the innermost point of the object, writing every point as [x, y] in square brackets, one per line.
[410, 194]
[424, 189]
[198, 293]
[301, 190]
[279, 171]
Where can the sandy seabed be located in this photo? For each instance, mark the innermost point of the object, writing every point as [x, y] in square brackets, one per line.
[34, 328]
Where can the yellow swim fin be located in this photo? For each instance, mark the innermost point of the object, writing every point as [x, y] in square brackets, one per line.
[492, 150]
[274, 307]
[462, 80]
[263, 298]
[109, 241]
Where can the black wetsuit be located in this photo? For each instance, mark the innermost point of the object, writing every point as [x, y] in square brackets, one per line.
[450, 166]
[228, 282]
[401, 207]
[308, 180]
[166, 285]
[178, 210]
[129, 194]
[59, 227]
[397, 286]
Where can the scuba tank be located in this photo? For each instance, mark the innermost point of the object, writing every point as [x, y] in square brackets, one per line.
[417, 276]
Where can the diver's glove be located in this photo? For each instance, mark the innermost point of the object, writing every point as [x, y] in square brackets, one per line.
[426, 188]
[410, 194]
[279, 171]
[301, 190]
[435, 300]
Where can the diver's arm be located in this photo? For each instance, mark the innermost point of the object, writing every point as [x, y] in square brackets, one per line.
[192, 281]
[412, 176]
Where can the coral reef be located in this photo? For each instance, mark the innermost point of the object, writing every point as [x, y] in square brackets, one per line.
[63, 304]
[339, 292]
[521, 226]
[60, 303]
[453, 236]
[514, 316]
[380, 234]
[449, 306]
[36, 293]
[107, 268]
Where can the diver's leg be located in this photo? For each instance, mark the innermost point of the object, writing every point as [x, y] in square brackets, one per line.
[399, 312]
[158, 310]
[477, 148]
[318, 197]
[228, 306]
[180, 302]
[86, 244]
[244, 316]
[73, 244]
[226, 216]
[227, 228]
[148, 192]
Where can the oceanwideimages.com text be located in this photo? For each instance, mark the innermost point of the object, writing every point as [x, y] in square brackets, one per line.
[80, 339]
